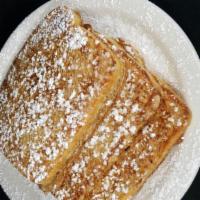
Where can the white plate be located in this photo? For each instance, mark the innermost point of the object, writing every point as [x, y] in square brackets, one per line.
[166, 50]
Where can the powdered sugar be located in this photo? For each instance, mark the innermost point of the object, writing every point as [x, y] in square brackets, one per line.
[77, 39]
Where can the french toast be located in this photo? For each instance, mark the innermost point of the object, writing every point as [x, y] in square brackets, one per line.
[55, 95]
[87, 169]
[81, 115]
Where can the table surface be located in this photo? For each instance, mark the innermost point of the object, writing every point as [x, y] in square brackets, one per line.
[185, 13]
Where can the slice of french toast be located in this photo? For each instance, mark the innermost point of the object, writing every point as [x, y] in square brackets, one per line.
[55, 95]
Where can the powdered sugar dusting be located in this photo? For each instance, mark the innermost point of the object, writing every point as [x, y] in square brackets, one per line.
[77, 39]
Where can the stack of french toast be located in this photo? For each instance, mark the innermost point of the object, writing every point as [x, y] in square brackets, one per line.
[82, 116]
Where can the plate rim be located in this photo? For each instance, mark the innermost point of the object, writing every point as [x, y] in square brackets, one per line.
[198, 64]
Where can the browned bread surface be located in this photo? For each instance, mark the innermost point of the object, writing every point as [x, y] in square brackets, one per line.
[55, 94]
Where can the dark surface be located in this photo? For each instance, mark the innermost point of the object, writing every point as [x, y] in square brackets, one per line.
[185, 12]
